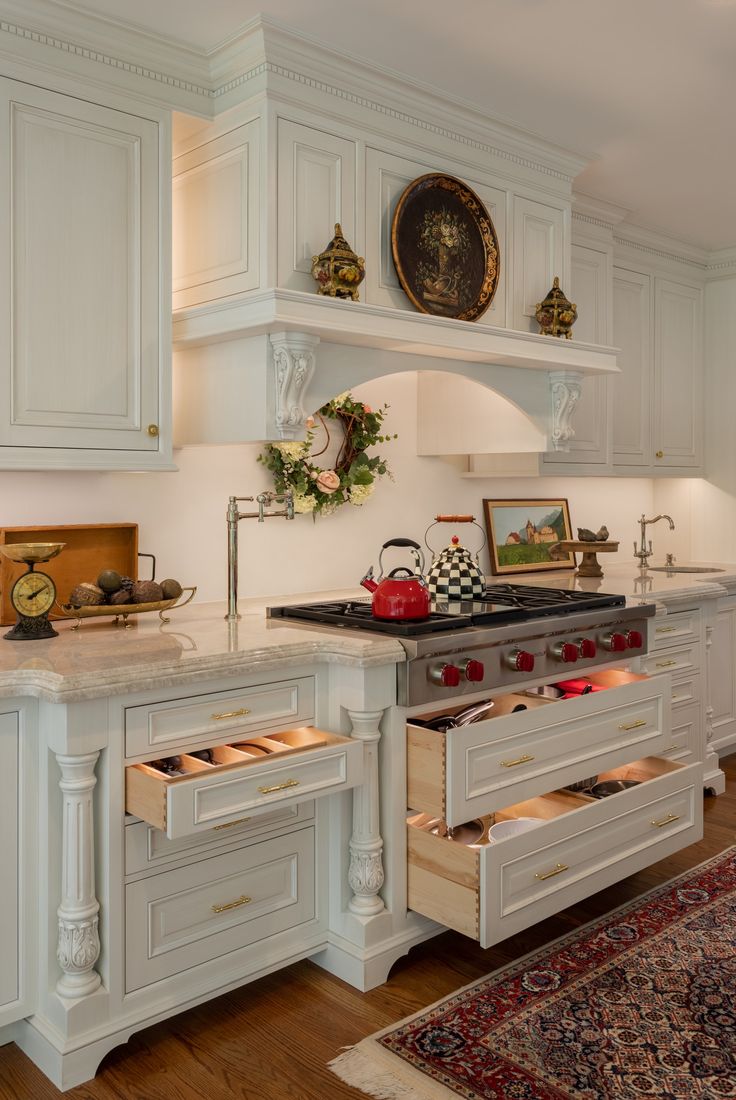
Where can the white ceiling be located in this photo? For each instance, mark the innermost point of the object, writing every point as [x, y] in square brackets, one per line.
[648, 86]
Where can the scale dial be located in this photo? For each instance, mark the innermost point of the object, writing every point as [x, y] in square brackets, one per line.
[33, 595]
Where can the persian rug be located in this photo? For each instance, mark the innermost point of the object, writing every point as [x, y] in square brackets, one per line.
[638, 1005]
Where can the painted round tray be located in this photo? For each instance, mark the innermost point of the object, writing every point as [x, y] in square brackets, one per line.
[123, 611]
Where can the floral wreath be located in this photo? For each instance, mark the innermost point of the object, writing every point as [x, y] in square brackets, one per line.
[353, 478]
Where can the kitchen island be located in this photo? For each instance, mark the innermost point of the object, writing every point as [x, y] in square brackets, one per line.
[218, 876]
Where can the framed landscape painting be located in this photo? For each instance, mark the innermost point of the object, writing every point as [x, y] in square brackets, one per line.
[522, 532]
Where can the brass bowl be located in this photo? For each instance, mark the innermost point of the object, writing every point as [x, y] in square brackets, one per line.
[31, 552]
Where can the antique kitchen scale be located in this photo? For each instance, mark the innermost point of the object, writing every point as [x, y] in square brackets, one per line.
[34, 593]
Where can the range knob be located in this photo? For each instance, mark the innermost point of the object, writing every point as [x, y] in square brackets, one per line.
[519, 660]
[447, 676]
[566, 652]
[473, 671]
[587, 648]
[634, 639]
[615, 642]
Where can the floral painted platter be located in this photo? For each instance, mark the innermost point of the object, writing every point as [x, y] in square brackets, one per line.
[445, 248]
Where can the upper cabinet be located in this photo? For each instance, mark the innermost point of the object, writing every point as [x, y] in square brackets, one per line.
[84, 283]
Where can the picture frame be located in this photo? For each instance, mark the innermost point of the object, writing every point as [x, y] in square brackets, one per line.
[521, 532]
[445, 248]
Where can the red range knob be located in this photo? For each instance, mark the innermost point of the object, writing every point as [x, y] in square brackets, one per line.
[565, 652]
[635, 639]
[474, 671]
[445, 675]
[521, 661]
[615, 642]
[587, 648]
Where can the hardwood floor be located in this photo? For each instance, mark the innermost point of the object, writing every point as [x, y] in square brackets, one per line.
[272, 1039]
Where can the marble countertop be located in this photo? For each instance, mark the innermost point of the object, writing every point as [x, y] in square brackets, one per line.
[101, 659]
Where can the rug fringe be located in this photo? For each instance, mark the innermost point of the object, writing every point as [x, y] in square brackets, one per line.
[363, 1072]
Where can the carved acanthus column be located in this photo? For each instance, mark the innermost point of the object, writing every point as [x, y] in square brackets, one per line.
[294, 360]
[78, 942]
[366, 846]
[565, 389]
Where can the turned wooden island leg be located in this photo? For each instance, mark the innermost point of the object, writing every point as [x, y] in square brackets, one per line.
[78, 945]
[365, 875]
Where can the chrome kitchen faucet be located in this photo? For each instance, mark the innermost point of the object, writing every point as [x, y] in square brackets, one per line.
[264, 500]
[643, 554]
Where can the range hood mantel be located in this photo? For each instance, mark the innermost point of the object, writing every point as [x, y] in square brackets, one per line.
[293, 331]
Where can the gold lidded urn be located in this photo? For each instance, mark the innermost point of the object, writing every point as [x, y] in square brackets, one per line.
[556, 314]
[338, 270]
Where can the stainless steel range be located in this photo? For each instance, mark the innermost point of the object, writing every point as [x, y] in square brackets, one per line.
[517, 634]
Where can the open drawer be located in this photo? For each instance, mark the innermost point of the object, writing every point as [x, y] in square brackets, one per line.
[247, 776]
[492, 889]
[473, 770]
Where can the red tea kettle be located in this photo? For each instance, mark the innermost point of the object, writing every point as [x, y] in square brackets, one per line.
[403, 594]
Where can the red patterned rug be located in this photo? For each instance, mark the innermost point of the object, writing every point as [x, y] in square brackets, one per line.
[640, 1005]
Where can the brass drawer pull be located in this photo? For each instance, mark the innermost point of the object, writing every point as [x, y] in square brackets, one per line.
[230, 714]
[525, 759]
[556, 870]
[666, 820]
[633, 725]
[665, 629]
[665, 664]
[242, 900]
[229, 824]
[279, 786]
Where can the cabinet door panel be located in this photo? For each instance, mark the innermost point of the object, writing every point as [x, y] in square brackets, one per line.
[678, 374]
[589, 287]
[538, 256]
[9, 900]
[79, 220]
[632, 387]
[721, 675]
[316, 189]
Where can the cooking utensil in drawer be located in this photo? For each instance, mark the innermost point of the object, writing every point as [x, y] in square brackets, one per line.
[582, 784]
[612, 786]
[443, 722]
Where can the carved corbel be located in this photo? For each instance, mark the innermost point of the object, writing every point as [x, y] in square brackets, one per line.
[294, 360]
[565, 389]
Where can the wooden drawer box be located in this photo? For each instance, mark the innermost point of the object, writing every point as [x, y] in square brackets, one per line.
[203, 718]
[281, 768]
[185, 917]
[675, 629]
[466, 772]
[148, 849]
[493, 890]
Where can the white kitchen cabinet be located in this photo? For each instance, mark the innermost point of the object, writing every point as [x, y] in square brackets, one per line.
[15, 927]
[540, 235]
[84, 306]
[722, 676]
[657, 408]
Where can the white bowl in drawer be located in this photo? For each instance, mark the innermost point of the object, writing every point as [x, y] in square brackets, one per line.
[514, 827]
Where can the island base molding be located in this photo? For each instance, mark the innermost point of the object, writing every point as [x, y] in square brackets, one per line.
[368, 967]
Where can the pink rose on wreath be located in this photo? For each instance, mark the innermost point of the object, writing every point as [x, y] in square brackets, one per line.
[328, 481]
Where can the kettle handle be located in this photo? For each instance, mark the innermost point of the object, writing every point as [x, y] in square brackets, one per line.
[415, 546]
[455, 519]
[401, 542]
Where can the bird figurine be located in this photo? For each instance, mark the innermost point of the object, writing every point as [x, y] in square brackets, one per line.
[585, 535]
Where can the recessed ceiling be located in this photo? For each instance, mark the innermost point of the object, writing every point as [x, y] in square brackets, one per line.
[647, 85]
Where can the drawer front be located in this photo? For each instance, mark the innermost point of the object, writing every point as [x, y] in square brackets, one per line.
[183, 918]
[688, 735]
[562, 868]
[670, 630]
[538, 751]
[215, 717]
[685, 692]
[678, 661]
[148, 849]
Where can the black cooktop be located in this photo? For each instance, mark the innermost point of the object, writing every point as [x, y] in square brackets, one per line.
[501, 603]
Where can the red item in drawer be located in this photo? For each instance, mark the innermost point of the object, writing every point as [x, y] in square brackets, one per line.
[579, 686]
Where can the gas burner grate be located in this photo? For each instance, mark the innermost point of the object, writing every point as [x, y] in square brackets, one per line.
[356, 614]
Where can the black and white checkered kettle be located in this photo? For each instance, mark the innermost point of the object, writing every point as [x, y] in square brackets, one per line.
[455, 573]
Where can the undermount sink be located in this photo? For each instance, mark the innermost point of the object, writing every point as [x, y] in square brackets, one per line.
[684, 569]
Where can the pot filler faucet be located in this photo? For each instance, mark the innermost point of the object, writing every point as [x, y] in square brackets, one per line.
[264, 501]
[643, 554]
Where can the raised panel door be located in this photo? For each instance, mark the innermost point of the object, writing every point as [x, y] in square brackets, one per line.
[678, 374]
[538, 255]
[632, 388]
[589, 289]
[215, 212]
[722, 675]
[316, 189]
[81, 357]
[10, 962]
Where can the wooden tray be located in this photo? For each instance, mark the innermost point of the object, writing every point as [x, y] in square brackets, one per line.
[89, 549]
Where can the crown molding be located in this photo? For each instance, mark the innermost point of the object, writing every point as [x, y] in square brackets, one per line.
[653, 243]
[209, 81]
[594, 211]
[722, 264]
